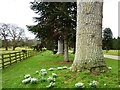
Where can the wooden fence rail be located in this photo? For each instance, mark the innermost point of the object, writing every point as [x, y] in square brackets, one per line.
[10, 58]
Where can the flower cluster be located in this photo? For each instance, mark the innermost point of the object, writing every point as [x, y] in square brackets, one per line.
[27, 76]
[27, 80]
[37, 72]
[79, 85]
[44, 73]
[52, 84]
[64, 67]
[59, 68]
[33, 80]
[43, 70]
[51, 79]
[93, 83]
[54, 75]
[51, 69]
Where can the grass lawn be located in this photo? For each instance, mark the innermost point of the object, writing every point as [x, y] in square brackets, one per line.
[13, 75]
[112, 52]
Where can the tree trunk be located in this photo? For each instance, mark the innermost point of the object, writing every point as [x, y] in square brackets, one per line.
[14, 48]
[74, 48]
[66, 51]
[89, 54]
[60, 47]
[6, 48]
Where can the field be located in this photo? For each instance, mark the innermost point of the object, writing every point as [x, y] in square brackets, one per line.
[13, 76]
[2, 50]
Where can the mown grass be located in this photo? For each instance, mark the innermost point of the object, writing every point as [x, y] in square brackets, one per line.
[112, 52]
[13, 75]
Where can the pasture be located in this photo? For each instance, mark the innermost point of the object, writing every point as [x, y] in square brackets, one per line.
[12, 77]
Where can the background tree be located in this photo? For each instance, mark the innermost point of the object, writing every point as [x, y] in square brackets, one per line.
[107, 39]
[89, 38]
[4, 34]
[54, 21]
[16, 34]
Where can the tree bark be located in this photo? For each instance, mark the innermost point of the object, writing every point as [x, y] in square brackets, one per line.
[66, 51]
[89, 55]
[60, 47]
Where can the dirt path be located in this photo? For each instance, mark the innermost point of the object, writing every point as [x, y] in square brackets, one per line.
[112, 57]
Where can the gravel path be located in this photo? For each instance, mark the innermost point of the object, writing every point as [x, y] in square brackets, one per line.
[112, 57]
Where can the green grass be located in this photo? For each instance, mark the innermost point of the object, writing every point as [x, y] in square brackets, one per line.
[13, 75]
[112, 52]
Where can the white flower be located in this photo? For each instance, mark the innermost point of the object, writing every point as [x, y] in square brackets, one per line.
[64, 67]
[93, 83]
[43, 70]
[105, 84]
[37, 72]
[109, 68]
[51, 79]
[51, 69]
[44, 73]
[59, 68]
[33, 80]
[27, 80]
[52, 84]
[79, 85]
[54, 75]
[27, 76]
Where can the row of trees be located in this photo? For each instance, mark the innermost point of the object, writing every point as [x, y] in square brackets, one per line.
[11, 35]
[57, 21]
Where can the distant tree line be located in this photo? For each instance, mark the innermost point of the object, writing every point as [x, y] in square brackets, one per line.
[108, 42]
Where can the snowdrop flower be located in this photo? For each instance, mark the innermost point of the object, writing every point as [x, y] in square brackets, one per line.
[51, 69]
[27, 76]
[54, 75]
[43, 70]
[27, 80]
[52, 84]
[105, 84]
[50, 79]
[37, 72]
[93, 83]
[44, 73]
[33, 80]
[79, 85]
[64, 67]
[109, 68]
[59, 68]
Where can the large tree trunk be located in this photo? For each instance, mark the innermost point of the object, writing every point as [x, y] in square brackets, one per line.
[60, 47]
[89, 38]
[66, 59]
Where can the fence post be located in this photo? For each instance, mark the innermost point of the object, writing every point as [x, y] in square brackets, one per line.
[10, 57]
[15, 58]
[2, 60]
[20, 55]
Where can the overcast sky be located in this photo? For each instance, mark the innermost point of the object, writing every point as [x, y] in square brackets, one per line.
[19, 12]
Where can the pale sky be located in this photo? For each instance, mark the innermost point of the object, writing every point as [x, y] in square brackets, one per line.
[19, 12]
